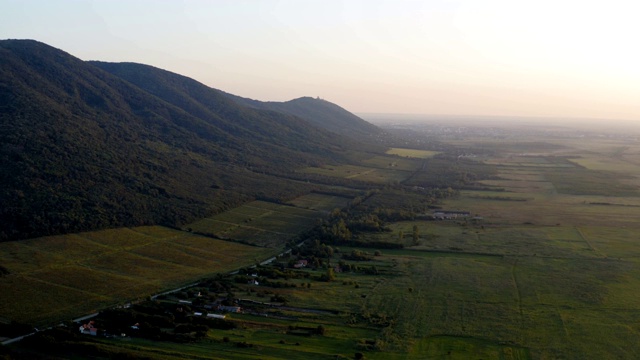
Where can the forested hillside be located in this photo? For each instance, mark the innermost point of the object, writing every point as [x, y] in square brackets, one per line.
[82, 149]
[320, 113]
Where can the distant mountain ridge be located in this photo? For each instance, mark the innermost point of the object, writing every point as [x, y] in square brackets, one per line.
[89, 145]
[321, 113]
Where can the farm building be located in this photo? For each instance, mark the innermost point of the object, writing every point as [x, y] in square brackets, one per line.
[88, 329]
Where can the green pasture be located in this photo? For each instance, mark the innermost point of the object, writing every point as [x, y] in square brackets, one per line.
[552, 266]
[394, 162]
[628, 164]
[550, 208]
[522, 306]
[320, 202]
[550, 196]
[361, 173]
[459, 348]
[531, 162]
[517, 145]
[262, 223]
[264, 338]
[50, 279]
[412, 153]
[611, 148]
[456, 304]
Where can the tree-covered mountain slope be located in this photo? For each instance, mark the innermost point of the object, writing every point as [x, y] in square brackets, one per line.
[321, 113]
[83, 149]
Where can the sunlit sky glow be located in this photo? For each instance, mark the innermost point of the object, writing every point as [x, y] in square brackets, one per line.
[468, 57]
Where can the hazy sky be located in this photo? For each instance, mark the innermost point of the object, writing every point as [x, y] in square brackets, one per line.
[474, 57]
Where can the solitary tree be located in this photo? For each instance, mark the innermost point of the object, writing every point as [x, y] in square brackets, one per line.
[329, 275]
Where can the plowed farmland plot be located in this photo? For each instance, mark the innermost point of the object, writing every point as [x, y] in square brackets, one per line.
[60, 277]
[320, 202]
[259, 223]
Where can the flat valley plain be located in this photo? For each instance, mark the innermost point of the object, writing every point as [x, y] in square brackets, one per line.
[545, 266]
[564, 221]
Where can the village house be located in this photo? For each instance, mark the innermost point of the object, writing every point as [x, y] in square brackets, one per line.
[89, 328]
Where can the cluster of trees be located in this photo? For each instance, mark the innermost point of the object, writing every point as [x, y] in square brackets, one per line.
[357, 255]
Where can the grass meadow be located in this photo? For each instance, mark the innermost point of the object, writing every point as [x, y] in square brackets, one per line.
[546, 267]
[320, 202]
[550, 270]
[412, 153]
[266, 224]
[363, 173]
[61, 277]
[394, 163]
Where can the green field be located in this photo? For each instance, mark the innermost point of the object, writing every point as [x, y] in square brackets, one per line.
[362, 173]
[61, 277]
[546, 266]
[552, 264]
[413, 153]
[264, 224]
[320, 202]
[394, 163]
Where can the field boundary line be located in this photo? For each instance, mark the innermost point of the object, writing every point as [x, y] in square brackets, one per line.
[367, 172]
[593, 248]
[564, 326]
[100, 296]
[518, 292]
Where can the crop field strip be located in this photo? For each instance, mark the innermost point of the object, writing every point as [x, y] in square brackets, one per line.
[575, 279]
[394, 163]
[413, 153]
[370, 174]
[85, 271]
[259, 222]
[320, 202]
[57, 279]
